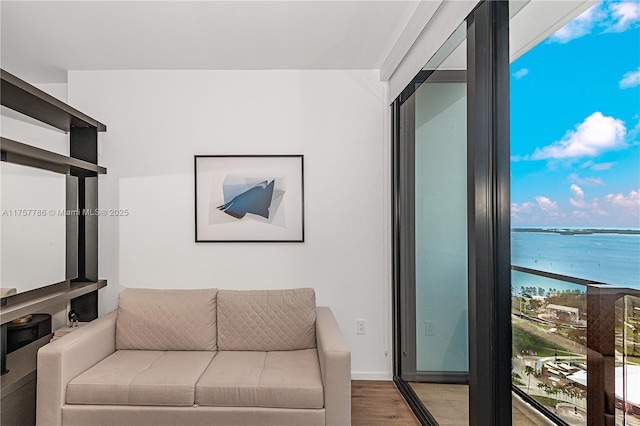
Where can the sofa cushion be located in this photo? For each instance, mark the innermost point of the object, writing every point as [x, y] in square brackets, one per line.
[266, 320]
[141, 378]
[289, 379]
[167, 320]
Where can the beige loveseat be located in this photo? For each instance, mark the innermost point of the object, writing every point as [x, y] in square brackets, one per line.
[200, 357]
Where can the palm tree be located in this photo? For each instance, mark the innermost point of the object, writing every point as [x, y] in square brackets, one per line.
[565, 393]
[545, 387]
[554, 391]
[515, 377]
[528, 370]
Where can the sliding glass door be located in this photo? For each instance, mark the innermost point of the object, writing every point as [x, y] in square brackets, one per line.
[451, 228]
[433, 152]
[574, 318]
[441, 227]
[431, 161]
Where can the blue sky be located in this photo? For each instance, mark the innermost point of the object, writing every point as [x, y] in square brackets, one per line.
[575, 123]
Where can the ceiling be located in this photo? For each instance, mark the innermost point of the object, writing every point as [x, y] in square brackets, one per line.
[42, 40]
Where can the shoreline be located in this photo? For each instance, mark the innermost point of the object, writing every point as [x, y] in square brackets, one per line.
[577, 231]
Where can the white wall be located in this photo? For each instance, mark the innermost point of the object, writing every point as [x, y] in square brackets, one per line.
[158, 120]
[32, 249]
[35, 236]
[45, 264]
[21, 128]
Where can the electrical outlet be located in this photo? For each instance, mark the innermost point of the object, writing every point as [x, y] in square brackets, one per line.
[429, 328]
[361, 327]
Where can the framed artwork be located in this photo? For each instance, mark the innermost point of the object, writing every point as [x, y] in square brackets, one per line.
[249, 198]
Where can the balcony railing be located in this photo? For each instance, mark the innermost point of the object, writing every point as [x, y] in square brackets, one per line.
[576, 348]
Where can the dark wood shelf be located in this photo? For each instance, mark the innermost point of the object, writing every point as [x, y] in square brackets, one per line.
[21, 96]
[45, 297]
[19, 153]
[23, 365]
[18, 384]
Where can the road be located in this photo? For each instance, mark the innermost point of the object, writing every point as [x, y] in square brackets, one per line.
[519, 363]
[554, 338]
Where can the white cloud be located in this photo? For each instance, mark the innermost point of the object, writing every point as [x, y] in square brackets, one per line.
[544, 211]
[581, 210]
[522, 208]
[630, 79]
[589, 181]
[595, 135]
[521, 73]
[631, 201]
[546, 204]
[578, 200]
[623, 208]
[579, 26]
[607, 16]
[619, 209]
[602, 166]
[579, 214]
[577, 190]
[625, 15]
[578, 196]
[598, 167]
[542, 203]
[634, 133]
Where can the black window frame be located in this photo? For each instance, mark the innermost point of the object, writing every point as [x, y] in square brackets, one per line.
[488, 220]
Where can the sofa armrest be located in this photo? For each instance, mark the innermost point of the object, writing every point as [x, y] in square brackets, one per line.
[335, 366]
[62, 360]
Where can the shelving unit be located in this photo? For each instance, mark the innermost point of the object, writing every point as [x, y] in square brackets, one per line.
[81, 167]
[19, 384]
[82, 284]
[55, 294]
[21, 96]
[20, 153]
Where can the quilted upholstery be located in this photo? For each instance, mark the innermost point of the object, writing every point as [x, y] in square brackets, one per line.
[167, 320]
[266, 320]
[286, 379]
[141, 378]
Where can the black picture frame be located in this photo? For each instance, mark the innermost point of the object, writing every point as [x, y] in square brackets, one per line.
[249, 198]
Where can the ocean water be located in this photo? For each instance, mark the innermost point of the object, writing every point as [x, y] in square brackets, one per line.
[607, 258]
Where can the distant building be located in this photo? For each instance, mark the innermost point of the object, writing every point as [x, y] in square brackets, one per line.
[627, 385]
[563, 313]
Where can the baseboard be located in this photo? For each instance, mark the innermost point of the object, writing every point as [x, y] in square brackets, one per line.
[372, 376]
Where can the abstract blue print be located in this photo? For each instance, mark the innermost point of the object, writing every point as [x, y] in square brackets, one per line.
[256, 200]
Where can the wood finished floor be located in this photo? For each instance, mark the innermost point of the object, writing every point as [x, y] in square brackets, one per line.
[376, 403]
[449, 405]
[379, 403]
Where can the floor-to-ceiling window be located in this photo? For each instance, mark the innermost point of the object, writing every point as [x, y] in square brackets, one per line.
[575, 166]
[436, 249]
[566, 330]
[435, 153]
[435, 348]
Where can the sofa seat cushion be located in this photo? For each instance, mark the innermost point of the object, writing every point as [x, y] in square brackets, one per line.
[286, 379]
[141, 378]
